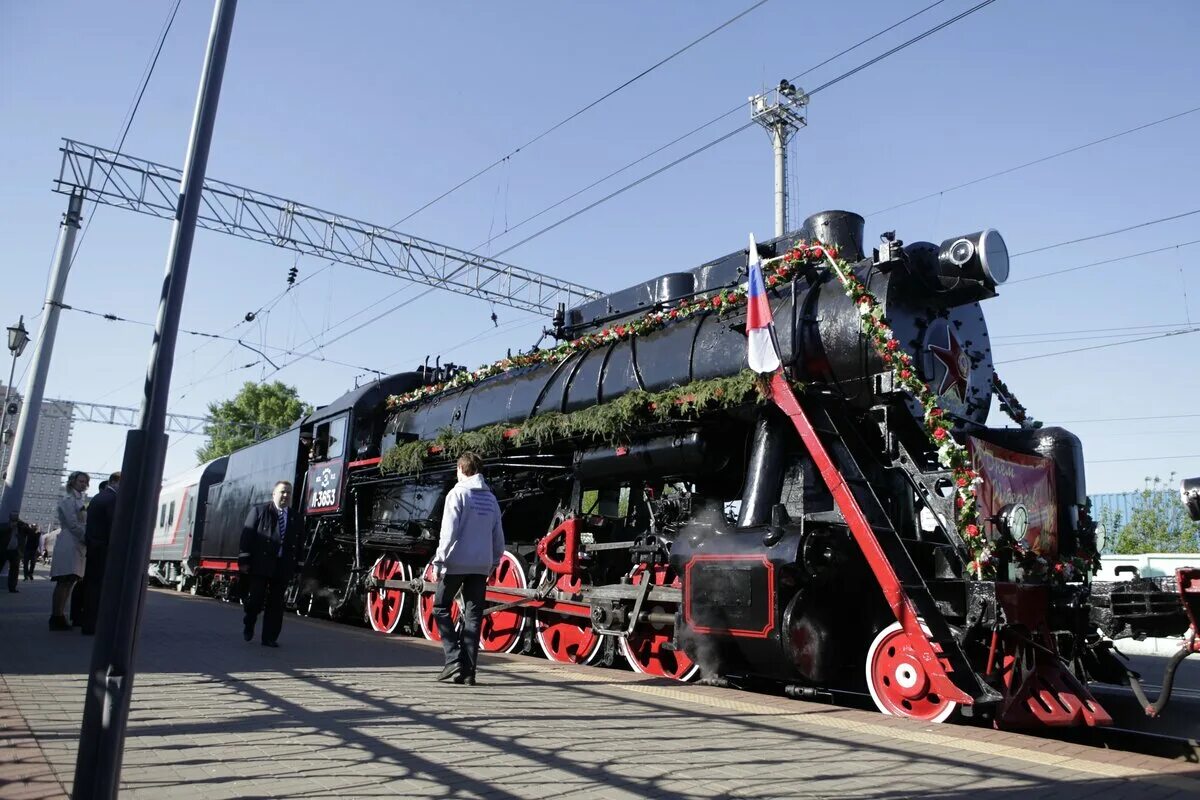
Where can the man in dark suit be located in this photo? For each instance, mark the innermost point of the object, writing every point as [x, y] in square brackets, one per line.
[100, 514]
[270, 540]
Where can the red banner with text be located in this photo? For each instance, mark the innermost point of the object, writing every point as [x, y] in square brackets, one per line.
[1010, 478]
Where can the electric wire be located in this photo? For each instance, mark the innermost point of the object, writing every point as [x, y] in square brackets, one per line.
[1036, 161]
[734, 132]
[740, 106]
[575, 114]
[691, 154]
[713, 121]
[216, 336]
[1103, 262]
[1141, 458]
[1106, 233]
[1100, 346]
[132, 114]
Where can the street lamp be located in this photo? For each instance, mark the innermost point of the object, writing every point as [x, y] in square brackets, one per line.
[18, 337]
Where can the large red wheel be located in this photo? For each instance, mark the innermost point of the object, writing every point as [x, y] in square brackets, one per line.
[385, 607]
[566, 639]
[425, 609]
[898, 681]
[501, 631]
[647, 648]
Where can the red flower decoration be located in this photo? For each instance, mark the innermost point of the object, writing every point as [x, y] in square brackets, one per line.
[620, 330]
[972, 530]
[939, 433]
[906, 373]
[716, 301]
[674, 313]
[893, 345]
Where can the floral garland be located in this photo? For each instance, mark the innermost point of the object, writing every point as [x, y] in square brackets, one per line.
[950, 453]
[1012, 407]
[777, 273]
[613, 423]
[984, 556]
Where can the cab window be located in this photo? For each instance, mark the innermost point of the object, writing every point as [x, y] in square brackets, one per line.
[330, 439]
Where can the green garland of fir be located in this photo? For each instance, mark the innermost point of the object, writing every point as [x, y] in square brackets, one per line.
[726, 301]
[610, 423]
[952, 455]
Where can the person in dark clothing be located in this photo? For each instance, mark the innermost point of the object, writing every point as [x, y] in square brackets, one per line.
[10, 551]
[33, 543]
[270, 540]
[99, 531]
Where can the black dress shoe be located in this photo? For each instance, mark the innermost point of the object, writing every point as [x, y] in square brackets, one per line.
[248, 633]
[15, 591]
[59, 624]
[270, 644]
[466, 680]
[448, 672]
[88, 632]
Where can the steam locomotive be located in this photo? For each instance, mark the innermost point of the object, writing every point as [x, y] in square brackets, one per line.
[664, 510]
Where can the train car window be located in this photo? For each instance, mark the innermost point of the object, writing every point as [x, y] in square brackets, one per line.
[191, 517]
[162, 515]
[171, 514]
[330, 441]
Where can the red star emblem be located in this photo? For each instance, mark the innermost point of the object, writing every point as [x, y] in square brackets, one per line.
[957, 364]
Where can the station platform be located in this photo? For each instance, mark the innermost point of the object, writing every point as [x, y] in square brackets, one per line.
[340, 711]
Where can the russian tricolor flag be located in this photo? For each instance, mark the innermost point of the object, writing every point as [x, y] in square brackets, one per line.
[760, 328]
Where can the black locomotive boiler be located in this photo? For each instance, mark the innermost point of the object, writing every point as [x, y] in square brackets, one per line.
[665, 509]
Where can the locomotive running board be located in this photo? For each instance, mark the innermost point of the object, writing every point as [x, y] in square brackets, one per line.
[949, 672]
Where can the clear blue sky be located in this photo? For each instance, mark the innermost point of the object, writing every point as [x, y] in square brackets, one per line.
[372, 108]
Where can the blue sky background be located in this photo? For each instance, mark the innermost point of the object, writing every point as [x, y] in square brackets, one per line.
[371, 109]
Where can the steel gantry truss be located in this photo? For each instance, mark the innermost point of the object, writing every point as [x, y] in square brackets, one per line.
[115, 179]
[128, 417]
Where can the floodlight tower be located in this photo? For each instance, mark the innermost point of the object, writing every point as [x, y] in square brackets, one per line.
[781, 113]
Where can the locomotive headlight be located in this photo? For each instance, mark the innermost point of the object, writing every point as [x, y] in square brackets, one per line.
[981, 256]
[1014, 521]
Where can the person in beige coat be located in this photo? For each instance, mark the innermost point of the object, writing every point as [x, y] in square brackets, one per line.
[70, 552]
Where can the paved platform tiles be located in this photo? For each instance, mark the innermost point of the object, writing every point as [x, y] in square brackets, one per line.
[339, 711]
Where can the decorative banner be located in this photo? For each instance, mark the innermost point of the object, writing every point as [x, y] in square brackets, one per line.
[1010, 478]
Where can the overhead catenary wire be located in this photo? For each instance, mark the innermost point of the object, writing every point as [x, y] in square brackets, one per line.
[1101, 346]
[1106, 233]
[147, 74]
[691, 154]
[217, 336]
[730, 134]
[580, 111]
[1102, 262]
[1037, 161]
[566, 199]
[739, 107]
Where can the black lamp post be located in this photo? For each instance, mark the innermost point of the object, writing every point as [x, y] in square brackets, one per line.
[18, 337]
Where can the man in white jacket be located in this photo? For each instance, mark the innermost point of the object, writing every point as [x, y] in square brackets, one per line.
[470, 547]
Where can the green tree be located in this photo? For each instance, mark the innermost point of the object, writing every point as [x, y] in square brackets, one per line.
[272, 407]
[1158, 522]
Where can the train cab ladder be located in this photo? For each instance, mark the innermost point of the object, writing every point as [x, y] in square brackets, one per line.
[904, 589]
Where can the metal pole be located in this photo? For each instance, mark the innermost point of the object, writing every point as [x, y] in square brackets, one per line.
[110, 681]
[22, 449]
[777, 138]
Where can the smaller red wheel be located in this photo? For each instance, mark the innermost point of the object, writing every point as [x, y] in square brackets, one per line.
[425, 609]
[647, 648]
[501, 631]
[898, 681]
[385, 607]
[567, 639]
